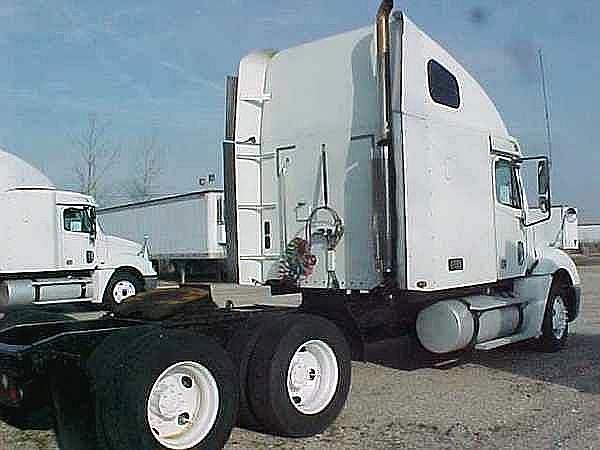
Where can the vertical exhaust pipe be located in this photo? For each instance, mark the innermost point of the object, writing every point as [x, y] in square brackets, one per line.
[230, 183]
[384, 180]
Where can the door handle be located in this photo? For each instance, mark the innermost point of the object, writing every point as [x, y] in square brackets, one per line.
[89, 256]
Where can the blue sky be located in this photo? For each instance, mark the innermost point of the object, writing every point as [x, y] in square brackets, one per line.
[156, 67]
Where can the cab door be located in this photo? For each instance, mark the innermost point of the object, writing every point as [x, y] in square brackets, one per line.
[511, 244]
[78, 243]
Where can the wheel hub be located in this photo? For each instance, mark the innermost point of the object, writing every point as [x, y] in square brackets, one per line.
[169, 398]
[122, 290]
[559, 318]
[304, 371]
[312, 377]
[183, 405]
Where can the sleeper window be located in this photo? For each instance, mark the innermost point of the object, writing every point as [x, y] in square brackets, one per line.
[443, 86]
[507, 186]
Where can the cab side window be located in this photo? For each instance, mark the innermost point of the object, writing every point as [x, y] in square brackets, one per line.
[77, 220]
[507, 185]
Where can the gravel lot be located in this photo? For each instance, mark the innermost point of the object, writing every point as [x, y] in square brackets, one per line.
[507, 398]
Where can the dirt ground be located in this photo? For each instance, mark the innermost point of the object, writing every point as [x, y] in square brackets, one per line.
[508, 398]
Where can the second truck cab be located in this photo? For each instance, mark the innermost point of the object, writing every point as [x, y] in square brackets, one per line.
[53, 249]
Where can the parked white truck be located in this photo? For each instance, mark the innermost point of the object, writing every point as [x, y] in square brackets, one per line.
[54, 252]
[372, 190]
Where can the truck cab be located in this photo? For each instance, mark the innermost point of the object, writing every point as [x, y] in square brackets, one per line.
[394, 172]
[55, 251]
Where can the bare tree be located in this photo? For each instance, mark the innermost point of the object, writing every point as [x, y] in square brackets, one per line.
[96, 155]
[144, 181]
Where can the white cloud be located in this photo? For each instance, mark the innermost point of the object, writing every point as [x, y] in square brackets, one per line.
[192, 78]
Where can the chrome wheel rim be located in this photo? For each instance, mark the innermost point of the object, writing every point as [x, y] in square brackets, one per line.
[183, 405]
[312, 377]
[122, 290]
[559, 317]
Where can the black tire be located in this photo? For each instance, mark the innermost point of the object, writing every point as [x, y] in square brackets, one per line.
[101, 366]
[549, 341]
[73, 411]
[268, 371]
[122, 403]
[108, 300]
[241, 348]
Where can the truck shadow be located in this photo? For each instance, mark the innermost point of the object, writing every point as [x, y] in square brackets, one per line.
[577, 366]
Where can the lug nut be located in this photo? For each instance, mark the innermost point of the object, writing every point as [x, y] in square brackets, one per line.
[187, 382]
[183, 419]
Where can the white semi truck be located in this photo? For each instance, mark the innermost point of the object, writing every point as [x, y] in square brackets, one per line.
[372, 190]
[54, 252]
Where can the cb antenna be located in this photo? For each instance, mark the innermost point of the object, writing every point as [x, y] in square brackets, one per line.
[546, 107]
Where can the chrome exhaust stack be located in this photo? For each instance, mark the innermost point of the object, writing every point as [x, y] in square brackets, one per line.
[384, 179]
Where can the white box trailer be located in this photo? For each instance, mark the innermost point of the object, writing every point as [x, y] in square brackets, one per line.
[561, 231]
[185, 232]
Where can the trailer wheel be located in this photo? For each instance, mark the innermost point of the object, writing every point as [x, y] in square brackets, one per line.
[122, 284]
[555, 327]
[171, 390]
[299, 375]
[241, 348]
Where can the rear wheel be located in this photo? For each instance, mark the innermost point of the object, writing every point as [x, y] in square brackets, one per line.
[555, 328]
[299, 375]
[101, 367]
[170, 390]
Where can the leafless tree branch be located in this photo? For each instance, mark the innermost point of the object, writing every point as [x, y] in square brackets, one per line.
[96, 154]
[144, 181]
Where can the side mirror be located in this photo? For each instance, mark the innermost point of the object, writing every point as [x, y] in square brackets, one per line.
[543, 186]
